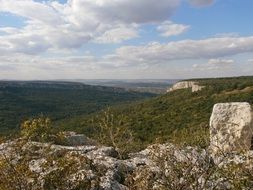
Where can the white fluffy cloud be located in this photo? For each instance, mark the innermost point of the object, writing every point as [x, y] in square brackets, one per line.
[169, 28]
[212, 49]
[32, 10]
[52, 29]
[117, 35]
[128, 11]
[217, 67]
[51, 25]
[250, 61]
[185, 49]
[221, 61]
[27, 43]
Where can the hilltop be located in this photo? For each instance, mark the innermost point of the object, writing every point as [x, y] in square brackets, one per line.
[181, 116]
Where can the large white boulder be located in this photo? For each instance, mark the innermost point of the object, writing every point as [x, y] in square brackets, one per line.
[231, 128]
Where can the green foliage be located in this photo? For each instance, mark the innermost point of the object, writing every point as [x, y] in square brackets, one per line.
[20, 101]
[181, 116]
[37, 129]
[113, 131]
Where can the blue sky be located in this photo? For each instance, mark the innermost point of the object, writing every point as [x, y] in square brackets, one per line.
[125, 39]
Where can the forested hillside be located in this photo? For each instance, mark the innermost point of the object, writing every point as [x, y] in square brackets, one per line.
[57, 100]
[179, 116]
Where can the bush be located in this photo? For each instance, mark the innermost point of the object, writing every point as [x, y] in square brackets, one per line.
[37, 129]
[115, 132]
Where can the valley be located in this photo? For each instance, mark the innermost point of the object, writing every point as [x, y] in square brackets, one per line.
[21, 100]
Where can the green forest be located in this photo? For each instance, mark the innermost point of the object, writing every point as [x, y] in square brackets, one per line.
[123, 122]
[20, 101]
[181, 116]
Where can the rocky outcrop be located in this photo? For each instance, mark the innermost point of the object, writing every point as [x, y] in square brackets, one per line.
[186, 84]
[159, 166]
[74, 139]
[231, 128]
[197, 87]
[99, 165]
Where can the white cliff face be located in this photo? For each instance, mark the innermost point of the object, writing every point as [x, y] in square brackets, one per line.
[196, 87]
[231, 128]
[186, 84]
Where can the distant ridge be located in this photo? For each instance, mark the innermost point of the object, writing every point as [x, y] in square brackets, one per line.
[20, 100]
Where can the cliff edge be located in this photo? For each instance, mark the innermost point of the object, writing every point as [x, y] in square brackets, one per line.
[186, 84]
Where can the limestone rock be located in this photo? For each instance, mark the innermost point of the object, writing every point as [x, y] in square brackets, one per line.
[159, 166]
[196, 87]
[186, 84]
[74, 139]
[231, 128]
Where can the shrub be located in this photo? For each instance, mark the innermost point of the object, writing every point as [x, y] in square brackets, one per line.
[115, 132]
[37, 129]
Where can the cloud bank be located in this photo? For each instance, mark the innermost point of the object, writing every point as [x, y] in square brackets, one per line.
[186, 49]
[51, 25]
[52, 39]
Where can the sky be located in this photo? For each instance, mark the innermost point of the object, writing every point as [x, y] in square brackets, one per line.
[125, 39]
